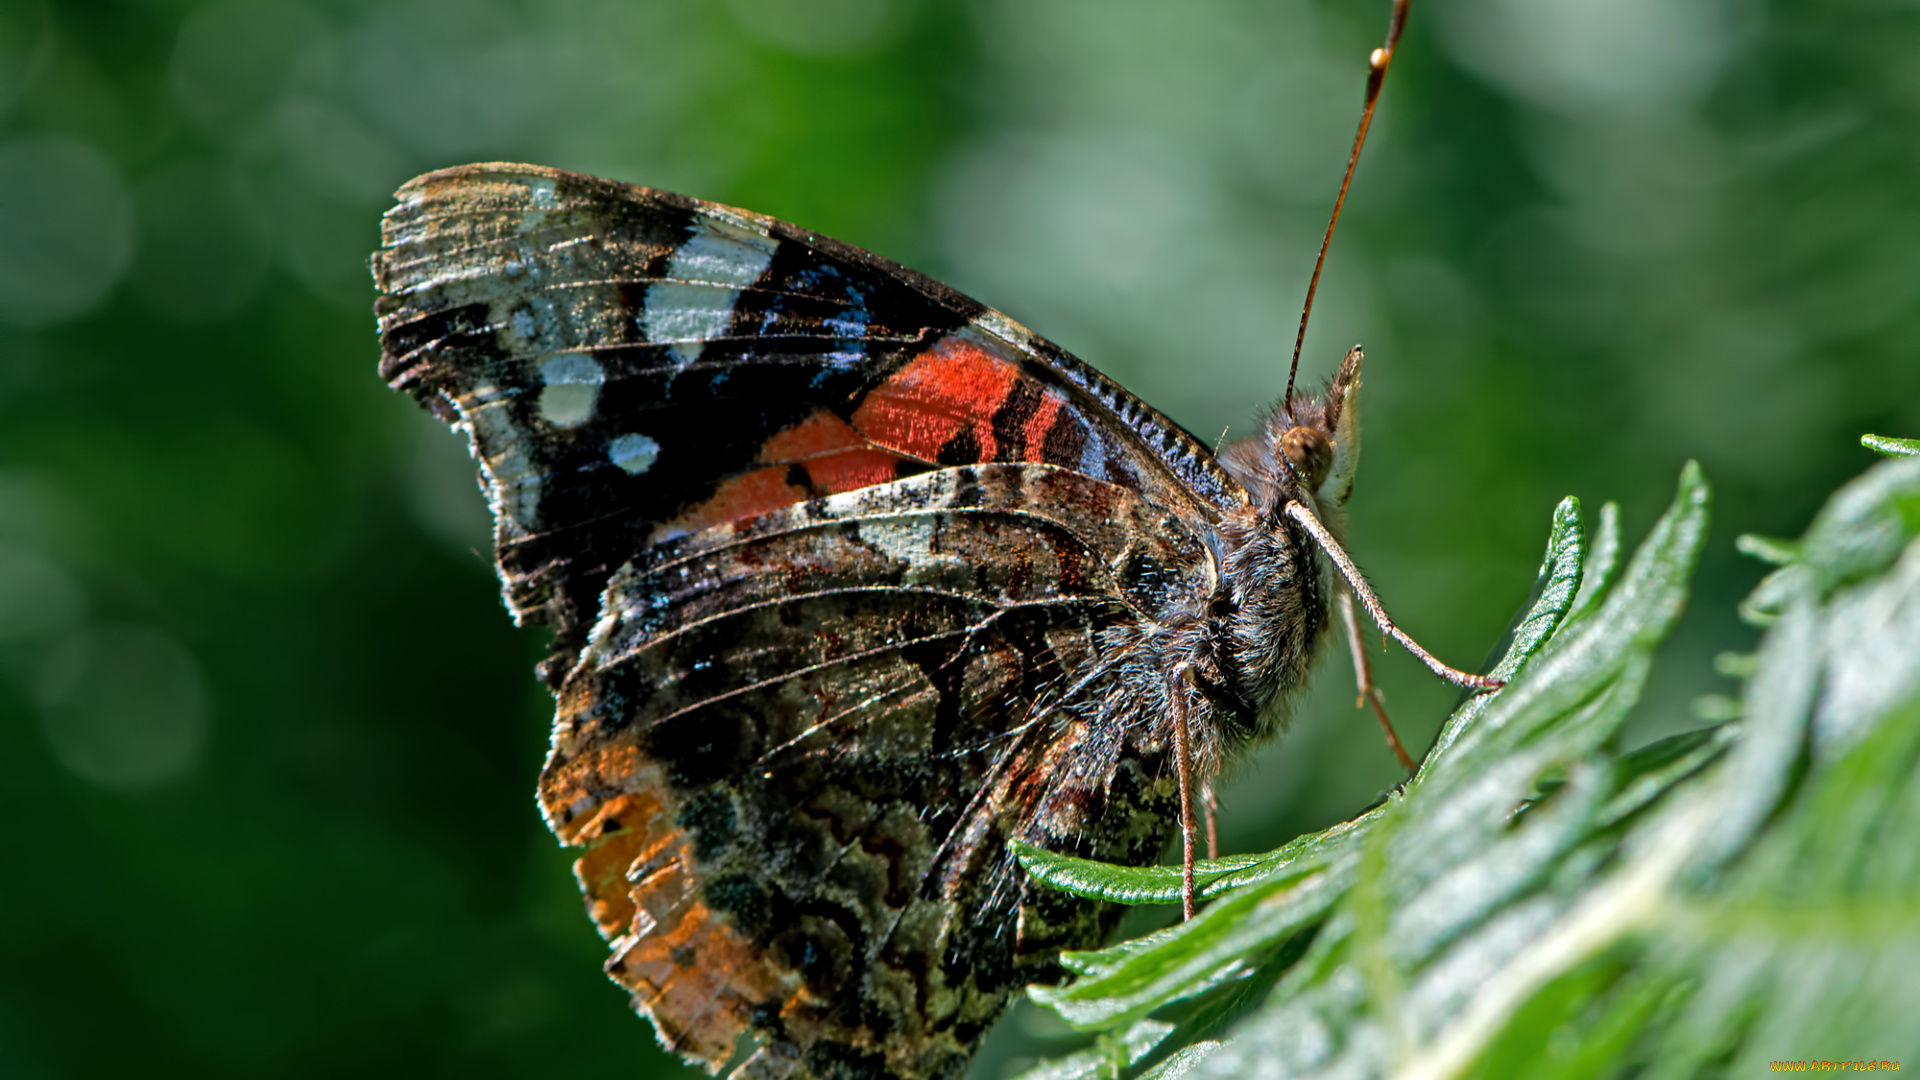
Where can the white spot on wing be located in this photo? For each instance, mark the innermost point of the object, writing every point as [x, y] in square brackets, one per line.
[540, 194]
[688, 316]
[703, 281]
[572, 368]
[909, 541]
[634, 453]
[512, 480]
[1093, 455]
[524, 322]
[572, 387]
[723, 253]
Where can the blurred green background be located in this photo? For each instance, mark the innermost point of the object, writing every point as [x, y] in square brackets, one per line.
[267, 741]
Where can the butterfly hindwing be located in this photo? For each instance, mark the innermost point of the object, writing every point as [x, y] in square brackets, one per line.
[800, 739]
[630, 364]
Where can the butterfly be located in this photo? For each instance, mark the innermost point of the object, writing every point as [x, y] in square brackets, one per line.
[852, 582]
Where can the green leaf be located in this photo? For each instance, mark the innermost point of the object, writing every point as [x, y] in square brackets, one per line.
[1119, 986]
[1163, 884]
[1564, 586]
[1309, 891]
[1598, 571]
[1594, 651]
[1767, 549]
[1890, 446]
[1556, 586]
[1864, 527]
[1647, 773]
[1537, 903]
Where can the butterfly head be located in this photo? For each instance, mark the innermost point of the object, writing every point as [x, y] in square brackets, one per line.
[1308, 448]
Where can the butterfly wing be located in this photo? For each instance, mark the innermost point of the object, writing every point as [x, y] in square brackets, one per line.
[852, 580]
[630, 364]
[795, 750]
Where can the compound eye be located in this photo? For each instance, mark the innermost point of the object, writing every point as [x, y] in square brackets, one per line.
[1310, 452]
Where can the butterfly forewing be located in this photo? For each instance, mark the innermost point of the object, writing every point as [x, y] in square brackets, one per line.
[631, 365]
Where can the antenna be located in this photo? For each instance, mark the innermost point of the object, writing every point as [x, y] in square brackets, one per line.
[1376, 74]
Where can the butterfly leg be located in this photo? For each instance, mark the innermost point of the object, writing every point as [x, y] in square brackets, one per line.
[1363, 672]
[1179, 682]
[1299, 512]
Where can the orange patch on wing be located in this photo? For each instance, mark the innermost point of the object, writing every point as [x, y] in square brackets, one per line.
[698, 979]
[819, 434]
[852, 470]
[688, 968]
[618, 837]
[739, 498]
[572, 792]
[836, 456]
[684, 963]
[955, 385]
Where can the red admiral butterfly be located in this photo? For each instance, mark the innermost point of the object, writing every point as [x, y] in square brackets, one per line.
[852, 582]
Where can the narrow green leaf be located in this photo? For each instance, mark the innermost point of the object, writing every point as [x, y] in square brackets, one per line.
[1765, 604]
[1554, 587]
[1199, 1021]
[1535, 904]
[1134, 885]
[1372, 949]
[1634, 616]
[1647, 773]
[1163, 884]
[1194, 955]
[1767, 549]
[1558, 585]
[1533, 1046]
[1865, 526]
[1598, 571]
[1107, 1058]
[1890, 446]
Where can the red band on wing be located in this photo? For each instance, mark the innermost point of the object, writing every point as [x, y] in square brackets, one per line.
[941, 408]
[737, 499]
[836, 457]
[1040, 424]
[955, 386]
[831, 457]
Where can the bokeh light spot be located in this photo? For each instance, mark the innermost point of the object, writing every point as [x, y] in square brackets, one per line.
[123, 707]
[37, 598]
[231, 59]
[201, 253]
[26, 45]
[824, 28]
[68, 224]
